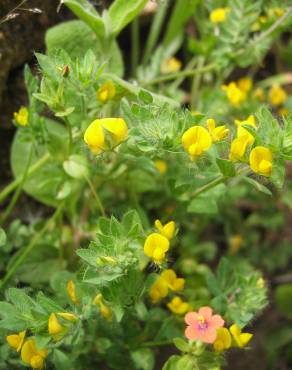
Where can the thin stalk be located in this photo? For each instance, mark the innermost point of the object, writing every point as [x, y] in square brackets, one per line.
[18, 191]
[180, 80]
[96, 197]
[158, 343]
[280, 79]
[209, 186]
[14, 184]
[185, 73]
[154, 31]
[135, 45]
[19, 260]
[196, 83]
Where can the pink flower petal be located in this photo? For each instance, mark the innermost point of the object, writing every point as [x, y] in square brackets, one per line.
[206, 312]
[216, 321]
[192, 333]
[209, 335]
[191, 318]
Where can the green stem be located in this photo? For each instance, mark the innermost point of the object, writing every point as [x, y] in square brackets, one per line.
[19, 260]
[159, 343]
[196, 84]
[209, 186]
[281, 79]
[98, 201]
[14, 184]
[189, 67]
[135, 45]
[19, 189]
[154, 31]
[185, 73]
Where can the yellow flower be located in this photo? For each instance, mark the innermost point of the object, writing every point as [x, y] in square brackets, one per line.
[166, 230]
[240, 339]
[103, 308]
[16, 340]
[196, 140]
[170, 65]
[241, 131]
[158, 290]
[234, 94]
[260, 160]
[32, 356]
[68, 316]
[55, 329]
[71, 292]
[219, 15]
[260, 283]
[277, 95]
[223, 340]
[95, 134]
[161, 166]
[106, 92]
[217, 133]
[283, 112]
[21, 117]
[178, 306]
[245, 84]
[238, 148]
[275, 12]
[156, 246]
[173, 282]
[235, 242]
[259, 94]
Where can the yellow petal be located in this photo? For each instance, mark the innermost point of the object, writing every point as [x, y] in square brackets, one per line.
[68, 316]
[54, 327]
[116, 126]
[94, 136]
[238, 148]
[16, 340]
[71, 292]
[37, 362]
[154, 241]
[260, 160]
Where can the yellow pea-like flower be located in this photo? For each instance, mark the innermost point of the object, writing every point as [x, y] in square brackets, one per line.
[166, 230]
[173, 282]
[241, 131]
[235, 242]
[196, 140]
[158, 290]
[240, 339]
[260, 160]
[21, 117]
[55, 329]
[223, 340]
[16, 340]
[238, 148]
[106, 92]
[219, 15]
[277, 95]
[170, 65]
[178, 306]
[105, 311]
[161, 166]
[33, 356]
[96, 133]
[217, 133]
[156, 246]
[71, 291]
[234, 94]
[245, 84]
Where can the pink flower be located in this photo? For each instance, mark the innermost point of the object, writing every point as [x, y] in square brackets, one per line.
[202, 325]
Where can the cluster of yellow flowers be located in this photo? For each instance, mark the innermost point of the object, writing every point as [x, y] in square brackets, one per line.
[232, 337]
[166, 282]
[219, 15]
[30, 354]
[237, 91]
[260, 158]
[157, 244]
[105, 133]
[196, 140]
[270, 14]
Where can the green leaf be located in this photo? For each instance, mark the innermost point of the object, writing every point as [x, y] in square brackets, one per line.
[206, 203]
[258, 186]
[76, 166]
[3, 237]
[143, 359]
[61, 360]
[121, 12]
[65, 112]
[87, 13]
[226, 167]
[181, 344]
[145, 96]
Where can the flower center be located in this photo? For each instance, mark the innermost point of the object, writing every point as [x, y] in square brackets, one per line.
[202, 324]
